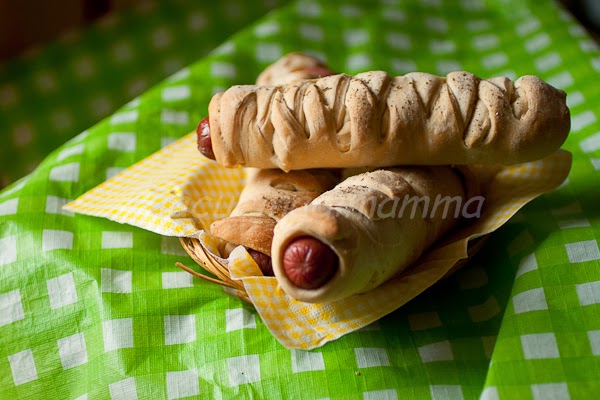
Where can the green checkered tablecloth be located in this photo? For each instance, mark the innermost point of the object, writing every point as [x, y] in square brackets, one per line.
[49, 95]
[90, 309]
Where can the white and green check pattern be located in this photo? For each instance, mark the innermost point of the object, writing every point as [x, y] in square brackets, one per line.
[90, 309]
[50, 95]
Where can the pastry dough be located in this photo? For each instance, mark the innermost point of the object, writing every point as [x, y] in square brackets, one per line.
[378, 223]
[269, 194]
[373, 119]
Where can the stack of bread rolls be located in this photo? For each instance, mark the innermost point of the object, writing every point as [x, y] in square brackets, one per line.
[270, 193]
[335, 157]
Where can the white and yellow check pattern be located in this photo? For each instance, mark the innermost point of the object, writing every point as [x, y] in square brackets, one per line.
[176, 192]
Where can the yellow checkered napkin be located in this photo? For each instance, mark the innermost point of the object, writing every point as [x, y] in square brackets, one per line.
[176, 192]
[306, 326]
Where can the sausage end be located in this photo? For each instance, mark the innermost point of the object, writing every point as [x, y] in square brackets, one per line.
[204, 141]
[309, 263]
[263, 261]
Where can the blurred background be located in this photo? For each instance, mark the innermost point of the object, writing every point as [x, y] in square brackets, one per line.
[64, 65]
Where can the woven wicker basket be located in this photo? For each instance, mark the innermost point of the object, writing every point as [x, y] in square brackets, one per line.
[214, 265]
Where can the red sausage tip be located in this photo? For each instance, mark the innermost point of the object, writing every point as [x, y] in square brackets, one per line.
[309, 263]
[263, 261]
[204, 141]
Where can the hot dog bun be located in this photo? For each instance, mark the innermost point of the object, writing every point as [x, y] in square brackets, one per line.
[373, 119]
[364, 222]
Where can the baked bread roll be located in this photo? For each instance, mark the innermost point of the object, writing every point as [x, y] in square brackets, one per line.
[373, 119]
[269, 194]
[292, 67]
[367, 229]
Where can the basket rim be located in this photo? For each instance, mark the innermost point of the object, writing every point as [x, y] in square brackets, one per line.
[209, 263]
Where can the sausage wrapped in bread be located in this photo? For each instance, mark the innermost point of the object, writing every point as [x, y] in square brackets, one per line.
[366, 230]
[373, 119]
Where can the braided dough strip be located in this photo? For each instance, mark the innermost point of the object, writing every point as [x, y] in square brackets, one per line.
[373, 119]
[365, 222]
